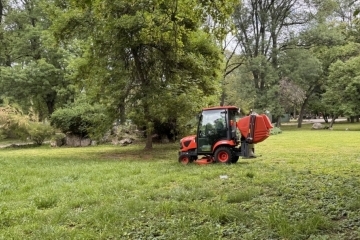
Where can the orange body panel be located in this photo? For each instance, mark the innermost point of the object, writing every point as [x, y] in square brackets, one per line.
[188, 143]
[204, 160]
[224, 142]
[261, 127]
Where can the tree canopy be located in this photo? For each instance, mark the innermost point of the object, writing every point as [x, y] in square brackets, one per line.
[157, 62]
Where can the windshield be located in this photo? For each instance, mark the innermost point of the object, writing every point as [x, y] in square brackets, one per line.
[212, 127]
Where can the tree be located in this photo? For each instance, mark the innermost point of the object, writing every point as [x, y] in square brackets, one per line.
[264, 30]
[143, 54]
[33, 68]
[333, 38]
[221, 26]
[304, 70]
[343, 88]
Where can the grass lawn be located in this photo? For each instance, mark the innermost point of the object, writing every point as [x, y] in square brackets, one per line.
[305, 185]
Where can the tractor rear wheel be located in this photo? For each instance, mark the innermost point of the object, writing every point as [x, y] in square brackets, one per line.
[223, 155]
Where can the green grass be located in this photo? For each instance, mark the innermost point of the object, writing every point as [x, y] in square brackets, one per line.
[338, 126]
[305, 185]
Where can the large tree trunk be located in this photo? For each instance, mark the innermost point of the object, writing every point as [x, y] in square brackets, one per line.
[149, 129]
[333, 118]
[352, 119]
[141, 74]
[122, 113]
[1, 11]
[148, 145]
[301, 113]
[278, 121]
[50, 100]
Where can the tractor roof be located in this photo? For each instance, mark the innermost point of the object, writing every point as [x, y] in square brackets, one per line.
[221, 107]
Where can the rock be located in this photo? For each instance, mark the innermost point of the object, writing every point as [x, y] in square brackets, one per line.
[54, 144]
[84, 142]
[58, 141]
[317, 126]
[76, 141]
[125, 141]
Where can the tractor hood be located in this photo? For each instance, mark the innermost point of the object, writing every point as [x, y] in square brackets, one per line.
[188, 142]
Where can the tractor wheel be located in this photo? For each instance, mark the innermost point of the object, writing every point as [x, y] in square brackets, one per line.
[184, 160]
[234, 159]
[223, 155]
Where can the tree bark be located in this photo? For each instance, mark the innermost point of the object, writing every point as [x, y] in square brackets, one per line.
[1, 11]
[333, 118]
[301, 113]
[141, 75]
[352, 119]
[149, 128]
[122, 113]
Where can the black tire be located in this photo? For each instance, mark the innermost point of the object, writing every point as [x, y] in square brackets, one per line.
[234, 159]
[184, 160]
[223, 155]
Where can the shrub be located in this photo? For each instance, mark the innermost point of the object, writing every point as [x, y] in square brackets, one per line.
[82, 119]
[39, 132]
[275, 131]
[58, 139]
[13, 123]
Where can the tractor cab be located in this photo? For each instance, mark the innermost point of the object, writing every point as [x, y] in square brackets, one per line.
[216, 124]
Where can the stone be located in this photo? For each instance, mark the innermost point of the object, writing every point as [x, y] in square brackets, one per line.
[76, 141]
[125, 141]
[317, 126]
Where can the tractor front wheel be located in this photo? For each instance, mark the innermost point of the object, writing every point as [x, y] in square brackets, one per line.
[223, 155]
[185, 160]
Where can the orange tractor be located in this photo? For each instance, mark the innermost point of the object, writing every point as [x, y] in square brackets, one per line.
[222, 138]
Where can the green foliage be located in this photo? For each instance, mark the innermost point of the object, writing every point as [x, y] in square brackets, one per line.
[147, 55]
[39, 132]
[275, 131]
[32, 67]
[82, 119]
[13, 122]
[59, 139]
[343, 87]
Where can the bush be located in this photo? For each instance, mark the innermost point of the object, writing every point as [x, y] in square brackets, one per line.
[58, 140]
[13, 123]
[275, 131]
[82, 119]
[39, 132]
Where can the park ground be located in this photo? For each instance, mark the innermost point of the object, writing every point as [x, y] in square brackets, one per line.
[304, 185]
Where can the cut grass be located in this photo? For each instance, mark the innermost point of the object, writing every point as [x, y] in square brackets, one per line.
[304, 186]
[338, 126]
